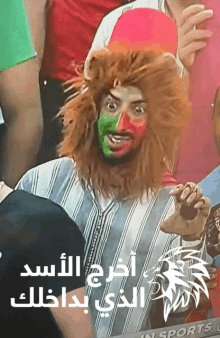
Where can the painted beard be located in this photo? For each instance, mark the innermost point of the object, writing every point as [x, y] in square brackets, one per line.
[116, 161]
[112, 140]
[128, 177]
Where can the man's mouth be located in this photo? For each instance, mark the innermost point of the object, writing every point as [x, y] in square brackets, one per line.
[118, 139]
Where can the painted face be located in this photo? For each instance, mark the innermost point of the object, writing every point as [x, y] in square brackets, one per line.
[122, 121]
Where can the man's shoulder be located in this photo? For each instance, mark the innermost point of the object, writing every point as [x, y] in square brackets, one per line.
[56, 180]
[47, 173]
[65, 163]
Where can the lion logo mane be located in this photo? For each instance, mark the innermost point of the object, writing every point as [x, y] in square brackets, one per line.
[175, 290]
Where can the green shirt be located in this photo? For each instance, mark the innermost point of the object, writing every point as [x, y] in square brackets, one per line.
[15, 37]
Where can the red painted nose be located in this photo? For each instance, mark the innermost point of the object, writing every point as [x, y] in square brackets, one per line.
[124, 122]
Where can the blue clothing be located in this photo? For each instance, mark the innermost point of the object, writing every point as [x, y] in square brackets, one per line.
[112, 230]
[217, 261]
[211, 186]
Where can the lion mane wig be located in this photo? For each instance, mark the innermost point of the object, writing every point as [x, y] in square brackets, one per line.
[156, 75]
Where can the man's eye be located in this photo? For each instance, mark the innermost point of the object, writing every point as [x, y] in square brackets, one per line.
[111, 106]
[139, 110]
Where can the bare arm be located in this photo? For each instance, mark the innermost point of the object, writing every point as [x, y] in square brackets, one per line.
[36, 11]
[21, 106]
[20, 102]
[73, 322]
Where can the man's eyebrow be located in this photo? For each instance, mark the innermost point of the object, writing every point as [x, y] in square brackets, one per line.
[114, 97]
[118, 99]
[139, 101]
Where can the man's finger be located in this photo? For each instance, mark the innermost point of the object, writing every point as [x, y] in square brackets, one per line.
[188, 189]
[191, 48]
[207, 280]
[194, 20]
[176, 190]
[211, 284]
[195, 196]
[185, 193]
[189, 11]
[195, 35]
[203, 203]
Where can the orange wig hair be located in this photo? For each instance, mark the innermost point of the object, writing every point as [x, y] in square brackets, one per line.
[156, 74]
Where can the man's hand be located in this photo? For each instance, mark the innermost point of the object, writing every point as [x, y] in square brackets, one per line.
[188, 196]
[200, 312]
[190, 38]
[211, 283]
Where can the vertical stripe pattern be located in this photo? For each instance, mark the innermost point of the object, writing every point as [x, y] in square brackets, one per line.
[111, 233]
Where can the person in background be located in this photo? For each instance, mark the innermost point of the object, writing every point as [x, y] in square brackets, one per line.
[186, 13]
[199, 150]
[19, 92]
[36, 232]
[71, 26]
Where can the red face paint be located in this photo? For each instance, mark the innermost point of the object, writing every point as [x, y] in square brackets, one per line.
[134, 129]
[122, 122]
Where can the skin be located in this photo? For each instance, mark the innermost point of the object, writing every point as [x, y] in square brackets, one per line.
[189, 195]
[21, 104]
[123, 115]
[73, 322]
[189, 16]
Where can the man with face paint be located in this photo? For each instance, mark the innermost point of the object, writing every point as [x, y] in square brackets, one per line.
[122, 122]
[119, 139]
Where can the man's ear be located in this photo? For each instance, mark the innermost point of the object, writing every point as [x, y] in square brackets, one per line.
[216, 119]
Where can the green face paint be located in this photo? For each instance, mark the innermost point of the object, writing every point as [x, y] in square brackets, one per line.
[106, 124]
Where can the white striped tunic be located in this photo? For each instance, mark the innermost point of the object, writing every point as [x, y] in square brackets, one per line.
[112, 230]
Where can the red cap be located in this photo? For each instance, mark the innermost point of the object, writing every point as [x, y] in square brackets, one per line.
[142, 28]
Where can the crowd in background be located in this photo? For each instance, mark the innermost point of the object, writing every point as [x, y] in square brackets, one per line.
[57, 48]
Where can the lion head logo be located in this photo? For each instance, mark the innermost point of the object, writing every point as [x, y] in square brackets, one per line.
[173, 289]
